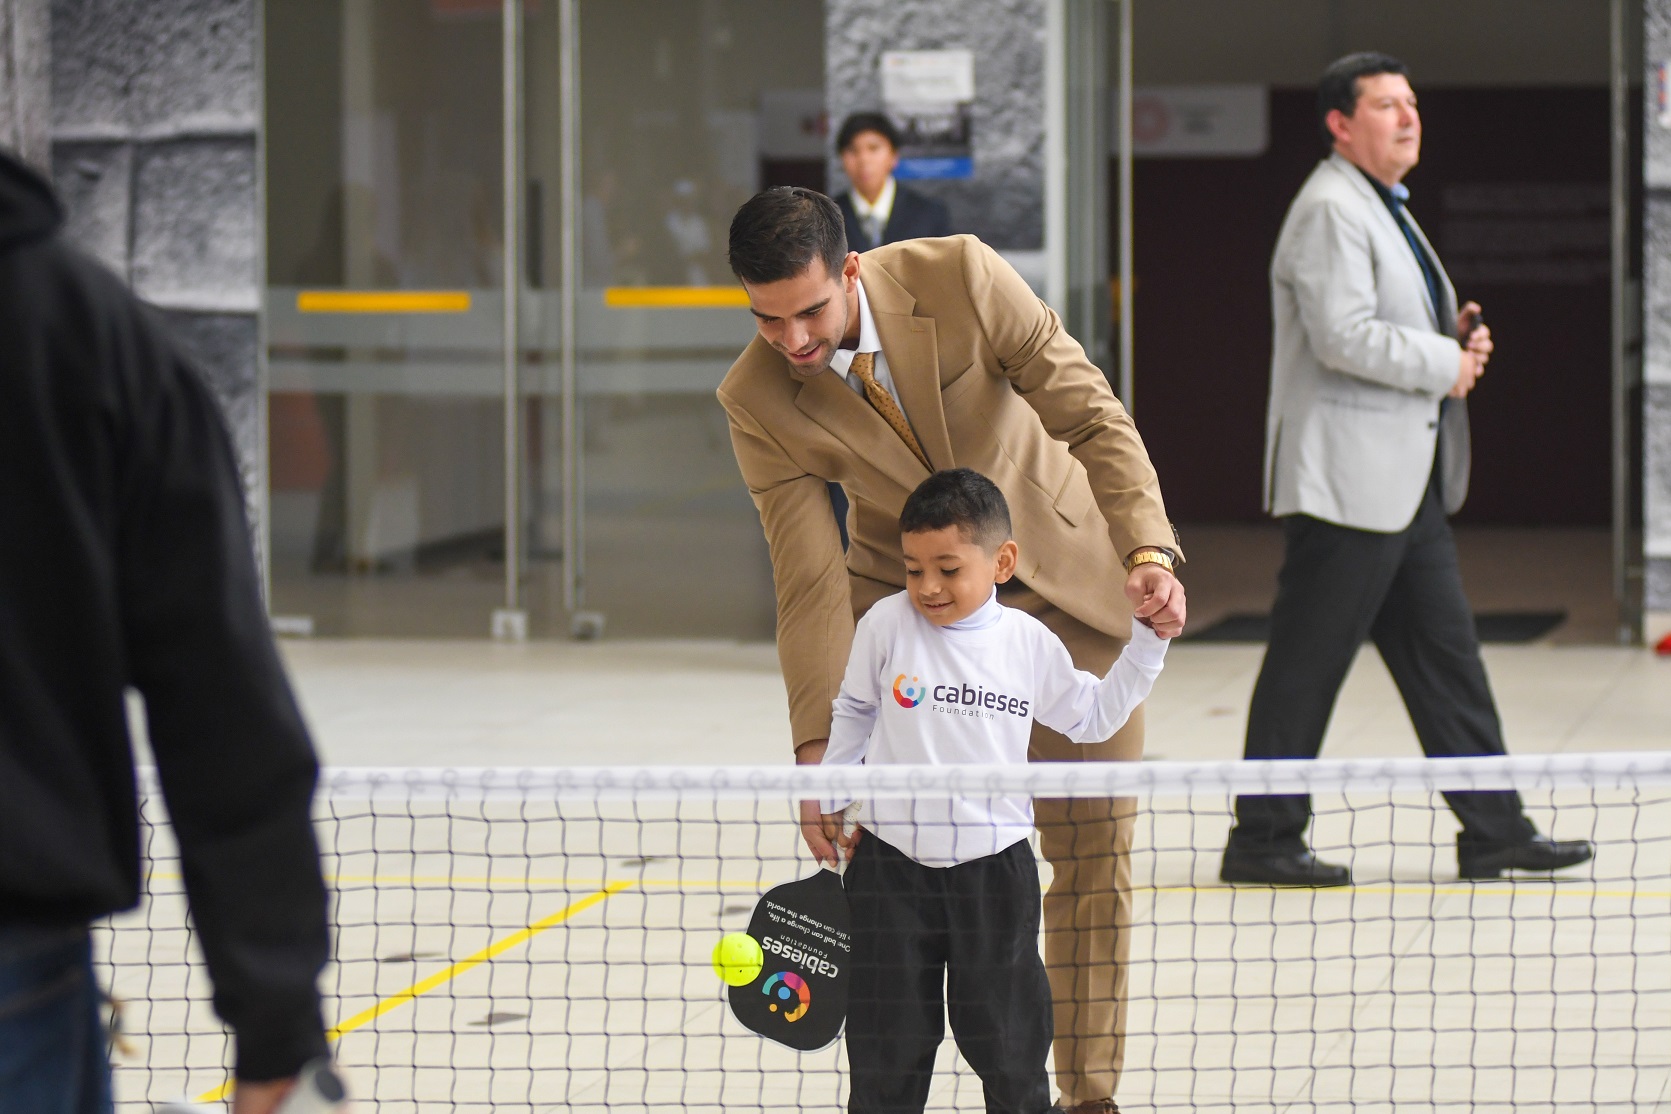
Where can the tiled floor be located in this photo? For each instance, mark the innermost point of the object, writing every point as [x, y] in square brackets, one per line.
[440, 703]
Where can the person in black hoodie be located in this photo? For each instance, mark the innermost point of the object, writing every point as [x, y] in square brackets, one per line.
[125, 560]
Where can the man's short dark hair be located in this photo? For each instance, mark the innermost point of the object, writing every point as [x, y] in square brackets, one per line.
[1338, 87]
[779, 232]
[861, 122]
[963, 498]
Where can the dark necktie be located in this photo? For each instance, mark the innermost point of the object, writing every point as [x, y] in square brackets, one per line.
[1430, 272]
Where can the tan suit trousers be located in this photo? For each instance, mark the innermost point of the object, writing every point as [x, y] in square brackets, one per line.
[1087, 842]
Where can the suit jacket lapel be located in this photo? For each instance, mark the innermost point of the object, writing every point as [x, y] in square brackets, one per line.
[850, 419]
[1390, 224]
[1447, 313]
[899, 218]
[913, 359]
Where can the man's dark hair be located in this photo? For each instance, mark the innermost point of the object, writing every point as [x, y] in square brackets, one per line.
[779, 232]
[861, 122]
[963, 498]
[1338, 87]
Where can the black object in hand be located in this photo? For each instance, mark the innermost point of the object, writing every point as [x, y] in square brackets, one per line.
[1469, 324]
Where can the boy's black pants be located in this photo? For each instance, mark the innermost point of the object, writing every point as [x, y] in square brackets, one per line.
[931, 941]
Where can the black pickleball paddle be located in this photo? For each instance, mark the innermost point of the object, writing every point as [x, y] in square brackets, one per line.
[799, 999]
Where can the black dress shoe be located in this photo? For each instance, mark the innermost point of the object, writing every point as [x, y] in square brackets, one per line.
[1489, 860]
[1282, 868]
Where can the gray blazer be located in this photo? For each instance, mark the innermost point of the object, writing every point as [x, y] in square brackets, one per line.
[1361, 362]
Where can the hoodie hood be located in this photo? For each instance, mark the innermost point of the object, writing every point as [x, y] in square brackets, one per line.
[28, 209]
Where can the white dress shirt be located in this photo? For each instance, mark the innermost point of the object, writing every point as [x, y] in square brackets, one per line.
[842, 362]
[874, 216]
[967, 694]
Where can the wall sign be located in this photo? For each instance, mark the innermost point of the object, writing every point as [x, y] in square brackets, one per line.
[929, 95]
[1526, 233]
[1197, 121]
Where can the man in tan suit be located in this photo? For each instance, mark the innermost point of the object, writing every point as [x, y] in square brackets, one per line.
[872, 371]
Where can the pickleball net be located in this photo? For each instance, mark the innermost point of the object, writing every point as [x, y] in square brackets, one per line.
[540, 940]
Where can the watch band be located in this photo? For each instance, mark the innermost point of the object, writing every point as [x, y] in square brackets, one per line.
[1150, 557]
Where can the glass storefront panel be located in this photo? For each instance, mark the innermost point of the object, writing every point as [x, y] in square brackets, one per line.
[386, 427]
[686, 109]
[386, 316]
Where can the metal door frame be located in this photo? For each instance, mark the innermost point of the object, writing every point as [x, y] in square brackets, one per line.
[510, 622]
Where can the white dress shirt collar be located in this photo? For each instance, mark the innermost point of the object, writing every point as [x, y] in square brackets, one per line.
[868, 340]
[882, 208]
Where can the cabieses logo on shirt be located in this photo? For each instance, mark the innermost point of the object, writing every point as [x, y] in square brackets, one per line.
[909, 695]
[959, 699]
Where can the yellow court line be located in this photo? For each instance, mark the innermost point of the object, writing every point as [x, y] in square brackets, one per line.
[383, 301]
[448, 974]
[675, 297]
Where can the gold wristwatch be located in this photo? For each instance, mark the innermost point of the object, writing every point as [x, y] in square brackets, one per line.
[1151, 557]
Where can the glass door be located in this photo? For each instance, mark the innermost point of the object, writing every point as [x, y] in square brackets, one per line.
[683, 111]
[386, 316]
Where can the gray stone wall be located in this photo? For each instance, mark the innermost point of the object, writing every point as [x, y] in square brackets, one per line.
[25, 84]
[1003, 203]
[1656, 311]
[155, 116]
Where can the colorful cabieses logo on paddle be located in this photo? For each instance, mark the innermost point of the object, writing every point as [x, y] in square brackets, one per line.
[783, 986]
[909, 695]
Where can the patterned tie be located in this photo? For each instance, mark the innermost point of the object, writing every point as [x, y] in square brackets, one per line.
[864, 366]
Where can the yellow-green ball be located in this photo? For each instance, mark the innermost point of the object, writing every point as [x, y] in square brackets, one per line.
[737, 958]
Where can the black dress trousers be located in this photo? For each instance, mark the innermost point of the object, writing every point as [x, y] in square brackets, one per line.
[931, 941]
[1337, 587]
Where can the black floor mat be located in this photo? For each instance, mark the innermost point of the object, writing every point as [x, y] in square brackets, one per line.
[1493, 626]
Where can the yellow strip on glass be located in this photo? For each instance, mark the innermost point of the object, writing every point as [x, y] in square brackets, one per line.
[675, 297]
[383, 301]
[448, 974]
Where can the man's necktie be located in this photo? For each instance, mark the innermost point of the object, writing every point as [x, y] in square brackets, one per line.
[873, 229]
[864, 366]
[1430, 274]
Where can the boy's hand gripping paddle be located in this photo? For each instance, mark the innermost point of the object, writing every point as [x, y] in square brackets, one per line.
[799, 996]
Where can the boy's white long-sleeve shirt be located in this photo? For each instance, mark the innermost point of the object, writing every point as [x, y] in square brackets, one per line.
[967, 694]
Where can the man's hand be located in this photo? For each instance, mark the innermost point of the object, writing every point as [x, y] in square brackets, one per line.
[1157, 598]
[1475, 338]
[261, 1098]
[1474, 334]
[1467, 374]
[820, 843]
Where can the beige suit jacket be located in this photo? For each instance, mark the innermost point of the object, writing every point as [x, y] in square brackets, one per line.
[989, 380]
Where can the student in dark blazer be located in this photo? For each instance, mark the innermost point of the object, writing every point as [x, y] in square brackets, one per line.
[878, 210]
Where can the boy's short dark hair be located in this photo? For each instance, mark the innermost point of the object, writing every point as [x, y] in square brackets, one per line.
[963, 498]
[779, 232]
[1338, 87]
[861, 122]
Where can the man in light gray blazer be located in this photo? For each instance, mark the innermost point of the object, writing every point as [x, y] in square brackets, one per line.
[1366, 453]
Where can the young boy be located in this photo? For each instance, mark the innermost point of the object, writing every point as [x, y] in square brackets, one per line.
[945, 893]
